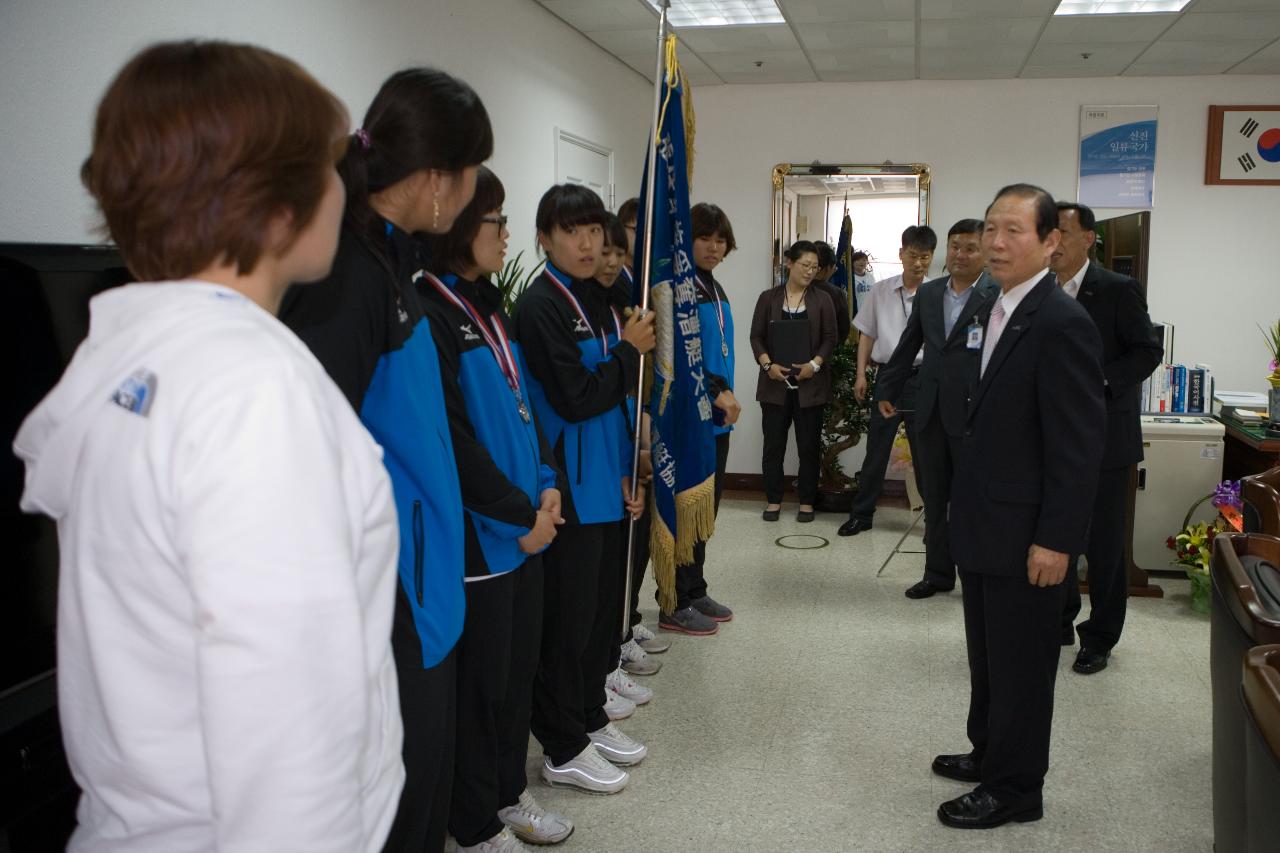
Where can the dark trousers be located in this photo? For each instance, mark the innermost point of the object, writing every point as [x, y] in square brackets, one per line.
[582, 615]
[691, 581]
[497, 657]
[934, 457]
[777, 420]
[1108, 575]
[640, 560]
[427, 699]
[881, 432]
[1012, 631]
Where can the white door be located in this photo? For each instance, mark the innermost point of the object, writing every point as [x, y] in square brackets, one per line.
[581, 161]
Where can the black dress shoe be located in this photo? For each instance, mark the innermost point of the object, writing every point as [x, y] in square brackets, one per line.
[804, 515]
[853, 527]
[1069, 635]
[963, 768]
[924, 589]
[771, 514]
[978, 809]
[1089, 661]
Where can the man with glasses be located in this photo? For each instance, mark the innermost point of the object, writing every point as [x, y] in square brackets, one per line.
[880, 321]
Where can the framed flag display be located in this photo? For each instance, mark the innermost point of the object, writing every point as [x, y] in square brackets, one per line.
[1244, 145]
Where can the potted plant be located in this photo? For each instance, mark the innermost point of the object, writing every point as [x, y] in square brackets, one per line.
[512, 280]
[1272, 336]
[843, 425]
[1194, 545]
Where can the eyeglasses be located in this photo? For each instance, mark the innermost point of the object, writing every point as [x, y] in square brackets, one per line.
[808, 267]
[500, 221]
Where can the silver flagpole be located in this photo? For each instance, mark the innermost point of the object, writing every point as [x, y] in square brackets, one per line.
[645, 271]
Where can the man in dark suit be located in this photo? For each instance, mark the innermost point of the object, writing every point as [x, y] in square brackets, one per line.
[1020, 505]
[1130, 351]
[947, 312]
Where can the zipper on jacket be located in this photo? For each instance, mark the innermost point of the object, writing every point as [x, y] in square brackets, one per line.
[579, 454]
[417, 551]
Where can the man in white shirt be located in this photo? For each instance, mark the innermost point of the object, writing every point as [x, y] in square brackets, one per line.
[863, 279]
[880, 322]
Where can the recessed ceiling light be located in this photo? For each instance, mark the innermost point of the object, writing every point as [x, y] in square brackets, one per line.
[1119, 7]
[721, 13]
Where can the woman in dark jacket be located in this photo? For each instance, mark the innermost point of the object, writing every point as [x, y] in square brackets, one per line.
[794, 392]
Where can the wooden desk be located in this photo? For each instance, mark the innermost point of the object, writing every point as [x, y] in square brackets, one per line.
[1247, 450]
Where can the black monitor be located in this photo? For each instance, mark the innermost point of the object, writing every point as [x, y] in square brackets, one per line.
[47, 288]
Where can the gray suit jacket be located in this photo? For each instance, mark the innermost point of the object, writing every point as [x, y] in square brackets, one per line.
[948, 363]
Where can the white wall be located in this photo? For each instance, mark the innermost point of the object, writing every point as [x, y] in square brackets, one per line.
[1213, 266]
[532, 70]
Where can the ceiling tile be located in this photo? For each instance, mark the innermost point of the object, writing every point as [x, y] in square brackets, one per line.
[1235, 6]
[749, 37]
[871, 63]
[776, 60]
[986, 8]
[1175, 69]
[1114, 56]
[593, 15]
[991, 61]
[857, 35]
[975, 72]
[1265, 61]
[619, 42]
[1195, 52]
[775, 76]
[833, 11]
[1104, 29]
[697, 70]
[969, 34]
[1225, 27]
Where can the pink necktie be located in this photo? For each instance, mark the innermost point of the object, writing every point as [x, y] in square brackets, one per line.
[994, 327]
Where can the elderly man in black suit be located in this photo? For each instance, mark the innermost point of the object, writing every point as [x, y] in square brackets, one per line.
[1130, 351]
[947, 319]
[1020, 506]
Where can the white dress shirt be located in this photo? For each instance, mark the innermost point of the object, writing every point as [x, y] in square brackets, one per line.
[884, 316]
[1009, 302]
[1072, 285]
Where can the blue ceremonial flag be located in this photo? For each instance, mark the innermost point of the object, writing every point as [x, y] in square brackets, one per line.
[844, 258]
[683, 442]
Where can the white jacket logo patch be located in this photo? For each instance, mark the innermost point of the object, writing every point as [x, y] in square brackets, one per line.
[468, 333]
[580, 327]
[137, 392]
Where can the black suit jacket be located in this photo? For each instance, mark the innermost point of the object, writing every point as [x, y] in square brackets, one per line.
[1130, 352]
[1032, 444]
[948, 362]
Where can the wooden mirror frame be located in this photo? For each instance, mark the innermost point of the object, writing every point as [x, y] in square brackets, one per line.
[922, 172]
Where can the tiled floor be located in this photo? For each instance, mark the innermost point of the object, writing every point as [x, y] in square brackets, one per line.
[809, 722]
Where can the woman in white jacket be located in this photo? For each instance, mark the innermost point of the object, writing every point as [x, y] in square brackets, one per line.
[228, 541]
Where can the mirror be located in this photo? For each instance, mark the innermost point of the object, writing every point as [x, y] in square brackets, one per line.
[810, 199]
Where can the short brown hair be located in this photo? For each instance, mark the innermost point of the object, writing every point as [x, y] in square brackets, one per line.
[198, 144]
[709, 221]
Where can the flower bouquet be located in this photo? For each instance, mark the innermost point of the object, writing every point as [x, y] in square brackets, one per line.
[1193, 547]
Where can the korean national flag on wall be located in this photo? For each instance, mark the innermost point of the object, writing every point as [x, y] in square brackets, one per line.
[1251, 144]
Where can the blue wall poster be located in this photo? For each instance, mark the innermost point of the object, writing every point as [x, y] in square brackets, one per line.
[1117, 156]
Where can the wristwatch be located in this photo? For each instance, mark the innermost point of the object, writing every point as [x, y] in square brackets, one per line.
[766, 366]
[817, 368]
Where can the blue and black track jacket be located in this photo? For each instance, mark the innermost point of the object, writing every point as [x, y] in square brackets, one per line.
[504, 462]
[718, 366]
[367, 327]
[578, 393]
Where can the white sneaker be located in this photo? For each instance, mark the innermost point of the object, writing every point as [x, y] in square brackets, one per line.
[622, 684]
[617, 707]
[503, 842]
[587, 771]
[531, 823]
[637, 661]
[617, 746]
[649, 641]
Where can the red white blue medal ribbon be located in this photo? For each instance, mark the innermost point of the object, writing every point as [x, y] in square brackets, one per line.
[715, 298]
[500, 346]
[554, 274]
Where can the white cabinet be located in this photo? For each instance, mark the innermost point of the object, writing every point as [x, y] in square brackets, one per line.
[1182, 463]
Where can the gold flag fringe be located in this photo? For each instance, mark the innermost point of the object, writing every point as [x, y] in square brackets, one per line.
[696, 522]
[675, 75]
